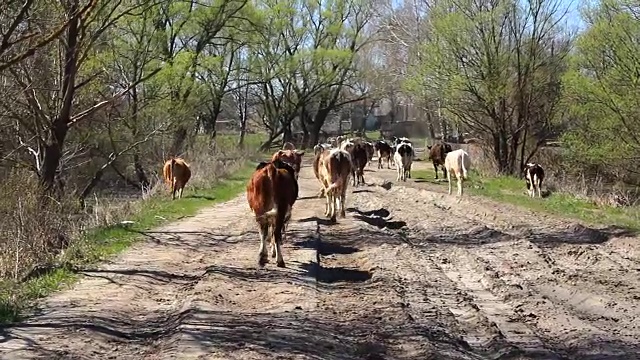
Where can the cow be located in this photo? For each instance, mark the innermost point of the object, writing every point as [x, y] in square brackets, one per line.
[403, 158]
[335, 169]
[288, 146]
[533, 175]
[359, 159]
[437, 153]
[346, 145]
[457, 162]
[339, 140]
[318, 152]
[325, 146]
[358, 155]
[291, 157]
[370, 151]
[399, 140]
[176, 174]
[271, 192]
[385, 151]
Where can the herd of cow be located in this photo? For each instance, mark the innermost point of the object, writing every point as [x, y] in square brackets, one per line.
[273, 187]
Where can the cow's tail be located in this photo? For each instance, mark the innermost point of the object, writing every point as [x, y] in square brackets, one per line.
[271, 173]
[173, 173]
[464, 169]
[331, 187]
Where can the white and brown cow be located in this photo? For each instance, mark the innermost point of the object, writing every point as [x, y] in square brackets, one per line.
[458, 163]
[533, 175]
[292, 157]
[335, 167]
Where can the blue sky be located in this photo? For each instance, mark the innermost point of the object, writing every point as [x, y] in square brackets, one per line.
[573, 17]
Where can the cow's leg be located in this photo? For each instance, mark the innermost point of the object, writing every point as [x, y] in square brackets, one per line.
[333, 206]
[444, 171]
[272, 245]
[181, 190]
[540, 189]
[277, 238]
[328, 199]
[459, 186]
[449, 180]
[435, 168]
[343, 198]
[264, 233]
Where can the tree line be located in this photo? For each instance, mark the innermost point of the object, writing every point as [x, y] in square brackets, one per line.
[91, 87]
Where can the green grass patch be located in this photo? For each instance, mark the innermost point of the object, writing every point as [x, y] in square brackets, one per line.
[512, 190]
[101, 243]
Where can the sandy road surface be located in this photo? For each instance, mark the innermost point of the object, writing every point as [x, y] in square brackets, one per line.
[409, 274]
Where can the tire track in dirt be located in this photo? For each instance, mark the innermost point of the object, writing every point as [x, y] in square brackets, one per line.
[483, 319]
[512, 226]
[617, 316]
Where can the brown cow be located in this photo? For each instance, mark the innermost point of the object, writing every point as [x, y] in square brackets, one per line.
[335, 168]
[359, 159]
[437, 154]
[291, 157]
[385, 151]
[271, 193]
[176, 174]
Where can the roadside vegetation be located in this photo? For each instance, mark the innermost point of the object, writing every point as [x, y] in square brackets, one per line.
[512, 190]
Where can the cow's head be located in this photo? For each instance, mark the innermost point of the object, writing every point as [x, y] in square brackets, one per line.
[291, 157]
[288, 146]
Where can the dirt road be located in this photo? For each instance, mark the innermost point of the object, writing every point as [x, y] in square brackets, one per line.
[409, 274]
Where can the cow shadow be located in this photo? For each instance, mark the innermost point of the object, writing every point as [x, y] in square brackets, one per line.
[321, 221]
[331, 275]
[377, 218]
[325, 248]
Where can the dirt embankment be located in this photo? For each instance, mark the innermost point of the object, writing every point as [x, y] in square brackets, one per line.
[409, 274]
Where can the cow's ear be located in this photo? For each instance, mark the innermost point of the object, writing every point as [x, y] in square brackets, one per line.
[261, 165]
[280, 152]
[429, 147]
[300, 152]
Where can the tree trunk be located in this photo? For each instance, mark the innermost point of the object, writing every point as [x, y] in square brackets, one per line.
[523, 149]
[143, 180]
[243, 117]
[59, 128]
[179, 137]
[267, 144]
[287, 133]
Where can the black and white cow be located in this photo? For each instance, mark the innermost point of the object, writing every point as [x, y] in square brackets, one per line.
[533, 175]
[403, 158]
